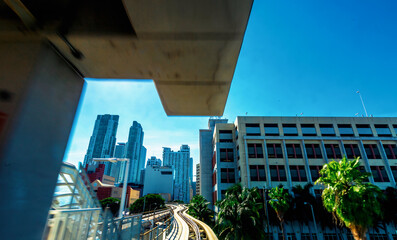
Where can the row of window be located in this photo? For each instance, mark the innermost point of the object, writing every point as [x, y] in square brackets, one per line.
[333, 151]
[345, 130]
[298, 173]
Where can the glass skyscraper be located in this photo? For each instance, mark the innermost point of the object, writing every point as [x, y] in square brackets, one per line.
[103, 139]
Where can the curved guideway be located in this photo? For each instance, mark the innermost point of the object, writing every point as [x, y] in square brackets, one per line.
[186, 228]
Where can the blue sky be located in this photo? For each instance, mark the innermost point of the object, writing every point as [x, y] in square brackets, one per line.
[298, 57]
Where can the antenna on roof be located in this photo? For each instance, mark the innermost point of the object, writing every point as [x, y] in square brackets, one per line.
[366, 114]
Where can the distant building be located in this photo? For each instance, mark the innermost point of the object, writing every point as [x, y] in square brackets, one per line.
[103, 139]
[105, 190]
[153, 161]
[135, 152]
[182, 164]
[118, 169]
[194, 188]
[96, 171]
[206, 155]
[159, 180]
[198, 179]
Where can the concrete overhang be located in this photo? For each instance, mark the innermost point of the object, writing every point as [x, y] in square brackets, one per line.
[188, 47]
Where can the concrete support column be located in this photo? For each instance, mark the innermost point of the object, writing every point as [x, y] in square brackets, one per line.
[287, 167]
[44, 92]
[247, 164]
[268, 177]
[366, 162]
[324, 151]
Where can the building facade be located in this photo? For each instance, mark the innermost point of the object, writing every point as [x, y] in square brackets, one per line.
[103, 139]
[118, 168]
[182, 164]
[159, 180]
[198, 179]
[135, 152]
[153, 161]
[265, 152]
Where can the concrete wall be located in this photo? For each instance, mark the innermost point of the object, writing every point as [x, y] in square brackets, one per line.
[45, 93]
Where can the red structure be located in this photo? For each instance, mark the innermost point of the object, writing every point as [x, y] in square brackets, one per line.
[98, 174]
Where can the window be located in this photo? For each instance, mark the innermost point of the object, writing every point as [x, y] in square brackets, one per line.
[327, 130]
[345, 130]
[274, 150]
[239, 174]
[277, 173]
[308, 130]
[333, 151]
[226, 155]
[315, 172]
[271, 130]
[394, 171]
[379, 174]
[378, 236]
[227, 175]
[294, 151]
[225, 136]
[166, 173]
[252, 129]
[313, 151]
[372, 151]
[298, 173]
[395, 128]
[364, 130]
[330, 236]
[382, 130]
[238, 152]
[290, 130]
[255, 150]
[306, 236]
[390, 150]
[257, 173]
[223, 192]
[352, 151]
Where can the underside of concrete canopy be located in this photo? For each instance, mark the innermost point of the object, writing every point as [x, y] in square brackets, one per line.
[189, 48]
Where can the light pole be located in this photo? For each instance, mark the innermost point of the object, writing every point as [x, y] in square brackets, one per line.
[124, 192]
[314, 219]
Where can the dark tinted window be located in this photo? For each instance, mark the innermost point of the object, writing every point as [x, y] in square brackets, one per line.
[352, 151]
[390, 150]
[364, 130]
[277, 173]
[383, 130]
[255, 150]
[290, 130]
[372, 151]
[327, 130]
[315, 172]
[308, 130]
[226, 155]
[271, 130]
[379, 174]
[333, 151]
[345, 130]
[313, 151]
[274, 150]
[298, 173]
[252, 129]
[294, 150]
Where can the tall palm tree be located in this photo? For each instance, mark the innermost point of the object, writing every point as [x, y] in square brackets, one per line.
[198, 208]
[238, 216]
[350, 200]
[280, 200]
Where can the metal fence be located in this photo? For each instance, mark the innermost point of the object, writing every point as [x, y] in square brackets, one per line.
[161, 231]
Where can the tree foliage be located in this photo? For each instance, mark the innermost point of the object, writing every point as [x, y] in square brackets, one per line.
[239, 214]
[147, 203]
[280, 201]
[112, 203]
[198, 208]
[354, 203]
